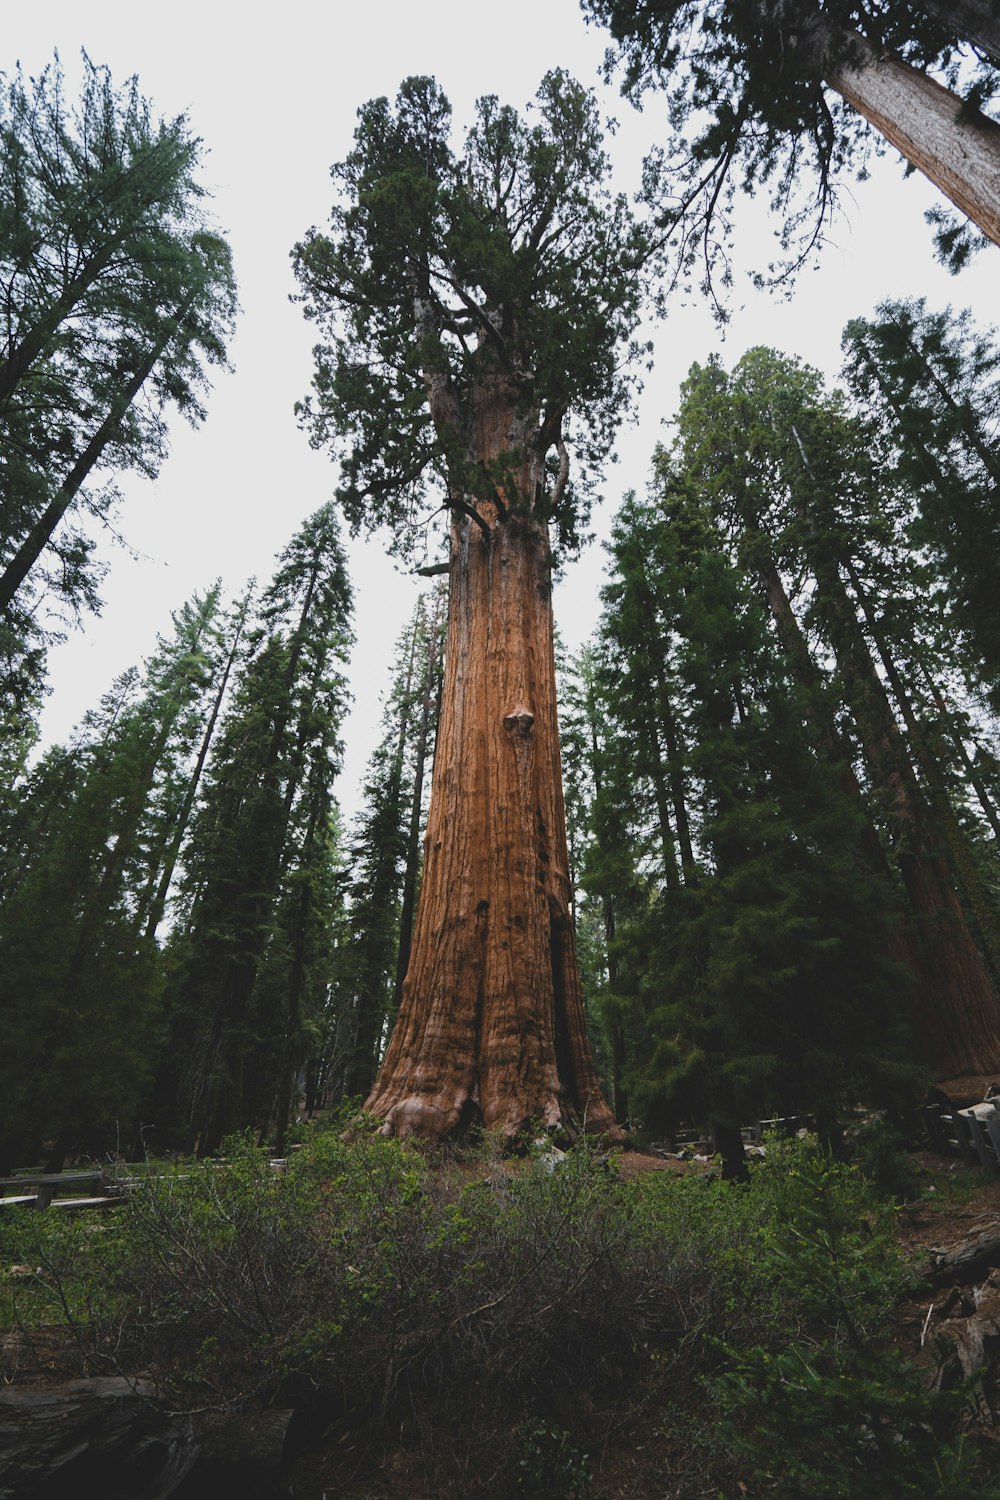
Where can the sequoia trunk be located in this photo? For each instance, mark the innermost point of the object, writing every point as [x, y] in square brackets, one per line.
[491, 1026]
[954, 145]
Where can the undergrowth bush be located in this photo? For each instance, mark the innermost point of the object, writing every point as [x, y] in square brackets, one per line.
[401, 1284]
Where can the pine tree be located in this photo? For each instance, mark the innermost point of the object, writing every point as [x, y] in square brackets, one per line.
[929, 383]
[279, 738]
[775, 448]
[115, 284]
[765, 978]
[81, 977]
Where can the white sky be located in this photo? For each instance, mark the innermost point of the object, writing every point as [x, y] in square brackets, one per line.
[273, 92]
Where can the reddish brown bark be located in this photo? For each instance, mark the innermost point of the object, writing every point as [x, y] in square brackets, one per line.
[491, 1025]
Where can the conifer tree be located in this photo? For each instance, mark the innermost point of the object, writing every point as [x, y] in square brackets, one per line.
[765, 975]
[828, 510]
[472, 306]
[81, 978]
[115, 284]
[929, 383]
[788, 94]
[279, 740]
[385, 847]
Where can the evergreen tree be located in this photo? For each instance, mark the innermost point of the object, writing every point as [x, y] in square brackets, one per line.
[81, 978]
[929, 384]
[278, 744]
[775, 449]
[765, 976]
[789, 95]
[384, 841]
[114, 285]
[470, 306]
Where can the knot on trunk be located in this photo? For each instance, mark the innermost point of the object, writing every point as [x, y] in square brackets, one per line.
[518, 723]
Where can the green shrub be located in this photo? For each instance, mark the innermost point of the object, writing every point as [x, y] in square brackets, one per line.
[827, 1407]
[542, 1308]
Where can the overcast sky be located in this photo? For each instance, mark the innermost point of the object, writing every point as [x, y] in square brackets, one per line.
[273, 92]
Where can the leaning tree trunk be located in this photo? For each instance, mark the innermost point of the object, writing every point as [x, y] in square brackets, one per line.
[953, 144]
[491, 1026]
[975, 21]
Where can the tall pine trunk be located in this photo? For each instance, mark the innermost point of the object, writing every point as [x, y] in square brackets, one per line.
[491, 1024]
[429, 706]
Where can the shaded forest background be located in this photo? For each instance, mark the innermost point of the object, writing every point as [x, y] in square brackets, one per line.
[779, 747]
[782, 780]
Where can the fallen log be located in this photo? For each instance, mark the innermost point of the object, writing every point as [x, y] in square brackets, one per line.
[968, 1261]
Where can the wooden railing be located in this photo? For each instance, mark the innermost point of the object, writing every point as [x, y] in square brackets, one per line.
[968, 1133]
[91, 1188]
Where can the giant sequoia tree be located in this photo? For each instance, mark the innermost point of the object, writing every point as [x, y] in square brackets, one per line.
[470, 305]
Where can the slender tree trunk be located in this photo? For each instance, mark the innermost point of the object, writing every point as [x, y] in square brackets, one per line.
[36, 340]
[41, 532]
[377, 947]
[668, 845]
[989, 807]
[158, 903]
[928, 758]
[619, 1094]
[294, 1048]
[957, 147]
[491, 1024]
[429, 704]
[959, 1014]
[218, 1108]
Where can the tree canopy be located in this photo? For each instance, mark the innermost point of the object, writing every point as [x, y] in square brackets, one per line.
[116, 295]
[510, 262]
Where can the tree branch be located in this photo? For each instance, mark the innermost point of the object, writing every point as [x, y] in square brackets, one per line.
[470, 511]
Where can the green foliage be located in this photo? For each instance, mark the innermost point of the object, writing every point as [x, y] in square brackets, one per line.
[541, 1305]
[761, 966]
[114, 281]
[552, 1466]
[248, 962]
[748, 107]
[507, 266]
[833, 1410]
[877, 1149]
[928, 383]
[81, 860]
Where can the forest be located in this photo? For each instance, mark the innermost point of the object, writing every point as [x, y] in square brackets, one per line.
[550, 1122]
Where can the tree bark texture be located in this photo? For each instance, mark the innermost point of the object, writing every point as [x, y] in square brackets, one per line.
[956, 147]
[491, 1024]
